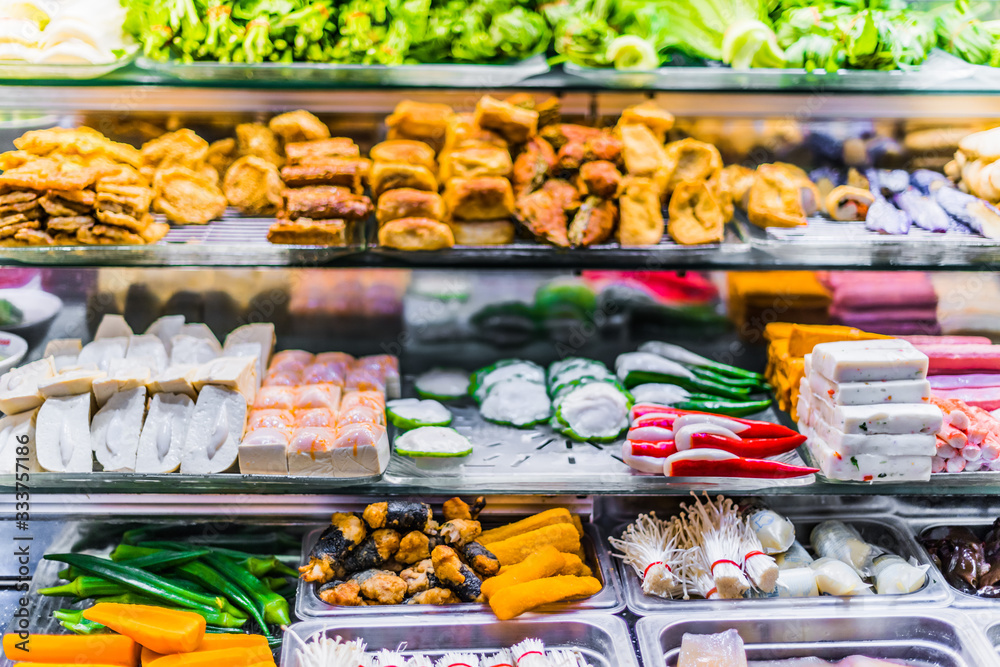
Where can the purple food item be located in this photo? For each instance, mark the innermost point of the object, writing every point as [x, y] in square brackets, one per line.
[883, 217]
[981, 217]
[928, 181]
[893, 182]
[880, 292]
[924, 211]
[860, 318]
[970, 381]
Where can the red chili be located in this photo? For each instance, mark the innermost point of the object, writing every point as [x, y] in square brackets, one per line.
[751, 448]
[750, 468]
[758, 429]
[659, 450]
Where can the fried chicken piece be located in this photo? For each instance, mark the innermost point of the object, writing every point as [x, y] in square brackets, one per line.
[47, 174]
[594, 222]
[688, 160]
[651, 115]
[533, 165]
[381, 586]
[695, 216]
[462, 131]
[475, 161]
[567, 196]
[341, 593]
[605, 146]
[253, 186]
[435, 596]
[299, 125]
[570, 156]
[459, 532]
[456, 508]
[416, 234]
[323, 202]
[182, 148]
[404, 151]
[413, 548]
[187, 197]
[410, 203]
[319, 150]
[542, 214]
[515, 124]
[484, 198]
[81, 142]
[643, 153]
[305, 231]
[420, 121]
[641, 213]
[600, 178]
[348, 172]
[221, 155]
[258, 140]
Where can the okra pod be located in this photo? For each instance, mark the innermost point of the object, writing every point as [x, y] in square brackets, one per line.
[275, 607]
[218, 618]
[214, 580]
[73, 620]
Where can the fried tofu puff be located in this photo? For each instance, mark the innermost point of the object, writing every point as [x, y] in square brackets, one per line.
[345, 532]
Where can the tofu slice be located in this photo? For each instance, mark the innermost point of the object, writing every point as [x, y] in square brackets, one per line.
[236, 373]
[869, 361]
[176, 379]
[871, 393]
[70, 382]
[114, 433]
[64, 351]
[147, 350]
[309, 452]
[890, 418]
[122, 376]
[201, 330]
[100, 353]
[17, 441]
[264, 452]
[193, 350]
[113, 326]
[166, 328]
[361, 450]
[212, 441]
[262, 333]
[19, 390]
[867, 467]
[161, 442]
[251, 350]
[62, 434]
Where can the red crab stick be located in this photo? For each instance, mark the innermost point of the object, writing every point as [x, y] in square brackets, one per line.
[754, 448]
[649, 414]
[717, 463]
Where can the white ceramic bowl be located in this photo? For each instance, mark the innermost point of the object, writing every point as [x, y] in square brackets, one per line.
[39, 309]
[12, 350]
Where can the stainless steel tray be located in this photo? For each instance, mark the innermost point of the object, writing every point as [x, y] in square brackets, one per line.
[604, 640]
[979, 526]
[609, 600]
[884, 530]
[932, 638]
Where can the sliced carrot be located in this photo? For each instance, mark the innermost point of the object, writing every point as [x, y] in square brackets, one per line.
[73, 649]
[157, 628]
[213, 642]
[149, 656]
[230, 657]
[49, 664]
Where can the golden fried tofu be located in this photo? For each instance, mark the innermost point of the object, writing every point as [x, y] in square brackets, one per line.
[600, 178]
[258, 140]
[221, 155]
[775, 199]
[695, 216]
[324, 202]
[404, 151]
[643, 153]
[391, 175]
[187, 197]
[484, 232]
[688, 160]
[594, 222]
[641, 212]
[346, 172]
[483, 198]
[182, 148]
[463, 131]
[737, 180]
[420, 121]
[253, 186]
[306, 152]
[308, 232]
[83, 142]
[651, 115]
[515, 124]
[299, 125]
[811, 199]
[476, 161]
[47, 174]
[416, 234]
[410, 203]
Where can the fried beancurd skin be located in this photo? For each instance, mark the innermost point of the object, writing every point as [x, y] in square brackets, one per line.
[436, 596]
[562, 536]
[534, 522]
[399, 514]
[341, 593]
[515, 600]
[545, 562]
[381, 586]
[481, 559]
[346, 531]
[374, 552]
[456, 575]
[459, 532]
[414, 547]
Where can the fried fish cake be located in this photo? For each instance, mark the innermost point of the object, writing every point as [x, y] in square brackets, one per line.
[83, 142]
[421, 121]
[298, 125]
[258, 140]
[308, 232]
[347, 172]
[253, 186]
[476, 161]
[187, 197]
[47, 174]
[182, 148]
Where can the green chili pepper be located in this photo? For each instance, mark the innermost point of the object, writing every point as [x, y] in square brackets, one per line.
[702, 403]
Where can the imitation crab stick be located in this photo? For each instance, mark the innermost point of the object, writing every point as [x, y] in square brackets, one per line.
[753, 448]
[156, 628]
[69, 649]
[717, 463]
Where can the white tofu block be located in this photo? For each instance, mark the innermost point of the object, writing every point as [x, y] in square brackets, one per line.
[17, 441]
[113, 326]
[890, 418]
[100, 353]
[64, 351]
[203, 331]
[114, 433]
[213, 436]
[19, 386]
[176, 379]
[236, 373]
[804, 407]
[867, 467]
[193, 350]
[309, 452]
[871, 393]
[883, 444]
[265, 452]
[149, 351]
[261, 333]
[869, 361]
[166, 328]
[70, 383]
[363, 458]
[161, 443]
[252, 350]
[62, 434]
[122, 376]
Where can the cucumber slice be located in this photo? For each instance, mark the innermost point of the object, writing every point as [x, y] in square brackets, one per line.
[515, 370]
[661, 394]
[433, 441]
[595, 412]
[517, 402]
[443, 384]
[407, 413]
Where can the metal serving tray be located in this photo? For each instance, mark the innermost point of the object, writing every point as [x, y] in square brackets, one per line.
[977, 525]
[610, 599]
[931, 638]
[604, 640]
[882, 530]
